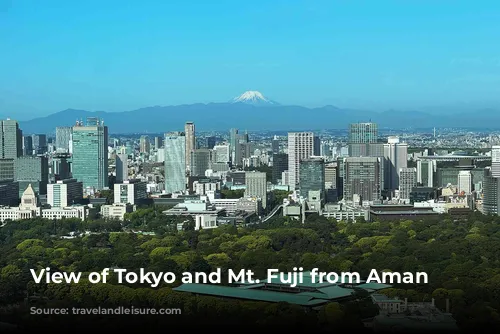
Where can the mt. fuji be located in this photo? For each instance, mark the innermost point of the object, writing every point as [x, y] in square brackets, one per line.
[255, 98]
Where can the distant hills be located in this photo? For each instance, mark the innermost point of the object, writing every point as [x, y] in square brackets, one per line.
[260, 116]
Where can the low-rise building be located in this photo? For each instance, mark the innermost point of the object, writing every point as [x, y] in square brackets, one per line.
[116, 210]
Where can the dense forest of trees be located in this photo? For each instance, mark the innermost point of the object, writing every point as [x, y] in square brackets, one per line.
[462, 259]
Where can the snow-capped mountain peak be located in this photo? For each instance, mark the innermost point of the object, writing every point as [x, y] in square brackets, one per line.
[253, 97]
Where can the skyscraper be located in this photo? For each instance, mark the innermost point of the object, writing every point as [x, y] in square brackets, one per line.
[32, 170]
[363, 133]
[495, 161]
[233, 140]
[63, 138]
[222, 153]
[363, 178]
[464, 182]
[300, 146]
[144, 144]
[407, 180]
[39, 143]
[189, 130]
[11, 139]
[27, 145]
[275, 145]
[175, 162]
[426, 172]
[121, 165]
[312, 176]
[396, 157]
[280, 164]
[90, 154]
[210, 142]
[491, 193]
[256, 186]
[200, 161]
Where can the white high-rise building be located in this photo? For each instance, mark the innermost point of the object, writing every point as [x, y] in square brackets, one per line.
[256, 186]
[495, 161]
[64, 193]
[300, 147]
[222, 153]
[189, 130]
[464, 182]
[175, 162]
[63, 138]
[396, 157]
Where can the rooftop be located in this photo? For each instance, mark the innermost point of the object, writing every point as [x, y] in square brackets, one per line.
[306, 293]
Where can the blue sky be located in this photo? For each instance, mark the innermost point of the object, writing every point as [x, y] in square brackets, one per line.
[122, 55]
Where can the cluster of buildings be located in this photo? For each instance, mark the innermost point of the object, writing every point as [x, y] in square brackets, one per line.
[368, 176]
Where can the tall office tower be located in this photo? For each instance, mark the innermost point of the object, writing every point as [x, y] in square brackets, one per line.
[495, 161]
[362, 178]
[9, 193]
[300, 147]
[39, 143]
[396, 157]
[312, 176]
[275, 145]
[363, 133]
[491, 193]
[121, 165]
[222, 153]
[363, 140]
[158, 143]
[210, 142]
[90, 154]
[242, 149]
[331, 180]
[11, 139]
[32, 170]
[256, 186]
[7, 169]
[426, 171]
[64, 193]
[200, 161]
[316, 146]
[144, 145]
[189, 130]
[27, 145]
[465, 182]
[61, 166]
[233, 140]
[280, 164]
[63, 138]
[407, 181]
[175, 162]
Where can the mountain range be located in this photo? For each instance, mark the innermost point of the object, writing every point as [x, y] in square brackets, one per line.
[252, 111]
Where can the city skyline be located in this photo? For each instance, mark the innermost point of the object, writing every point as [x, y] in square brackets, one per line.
[377, 56]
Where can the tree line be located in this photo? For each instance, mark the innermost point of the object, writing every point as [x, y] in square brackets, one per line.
[461, 258]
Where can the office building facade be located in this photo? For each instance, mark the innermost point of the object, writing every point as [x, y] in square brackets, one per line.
[300, 147]
[90, 154]
[175, 162]
[362, 178]
[64, 193]
[256, 186]
[63, 138]
[189, 130]
[312, 176]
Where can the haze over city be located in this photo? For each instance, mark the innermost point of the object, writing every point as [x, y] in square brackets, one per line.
[437, 57]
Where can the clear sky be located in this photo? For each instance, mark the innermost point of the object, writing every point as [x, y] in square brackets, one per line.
[121, 55]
